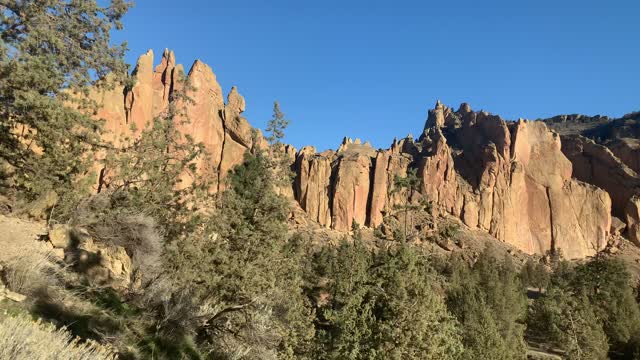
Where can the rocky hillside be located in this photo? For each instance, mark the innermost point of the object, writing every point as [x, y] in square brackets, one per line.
[520, 181]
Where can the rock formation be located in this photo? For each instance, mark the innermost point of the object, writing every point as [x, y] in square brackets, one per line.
[510, 179]
[507, 178]
[606, 152]
[205, 117]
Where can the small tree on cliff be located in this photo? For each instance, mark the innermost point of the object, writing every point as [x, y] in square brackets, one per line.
[275, 133]
[49, 51]
[276, 125]
[409, 184]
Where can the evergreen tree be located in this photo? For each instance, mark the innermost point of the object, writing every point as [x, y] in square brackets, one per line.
[51, 52]
[245, 271]
[280, 162]
[534, 274]
[409, 184]
[489, 301]
[568, 322]
[276, 125]
[382, 306]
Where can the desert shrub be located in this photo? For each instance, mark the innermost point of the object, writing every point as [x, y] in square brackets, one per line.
[448, 230]
[24, 339]
[29, 271]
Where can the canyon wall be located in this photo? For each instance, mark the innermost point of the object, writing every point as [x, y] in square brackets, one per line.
[510, 179]
[205, 117]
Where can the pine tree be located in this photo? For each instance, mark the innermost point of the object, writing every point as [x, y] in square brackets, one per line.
[276, 125]
[280, 162]
[51, 52]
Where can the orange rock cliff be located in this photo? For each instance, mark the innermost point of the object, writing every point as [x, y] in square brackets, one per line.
[510, 179]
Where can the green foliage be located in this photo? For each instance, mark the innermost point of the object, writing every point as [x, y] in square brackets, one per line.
[534, 274]
[280, 161]
[568, 322]
[276, 125]
[355, 230]
[408, 184]
[380, 306]
[245, 271]
[449, 230]
[489, 301]
[50, 53]
[588, 309]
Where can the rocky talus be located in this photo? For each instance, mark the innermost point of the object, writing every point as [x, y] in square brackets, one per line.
[510, 179]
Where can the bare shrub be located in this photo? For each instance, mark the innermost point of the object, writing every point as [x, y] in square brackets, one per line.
[137, 233]
[30, 271]
[24, 339]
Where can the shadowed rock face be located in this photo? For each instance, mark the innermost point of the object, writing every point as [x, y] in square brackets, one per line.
[606, 152]
[510, 179]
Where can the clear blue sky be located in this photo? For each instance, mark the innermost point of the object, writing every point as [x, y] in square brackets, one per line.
[372, 69]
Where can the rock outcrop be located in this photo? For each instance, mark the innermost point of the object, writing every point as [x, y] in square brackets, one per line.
[510, 179]
[606, 152]
[507, 178]
[205, 117]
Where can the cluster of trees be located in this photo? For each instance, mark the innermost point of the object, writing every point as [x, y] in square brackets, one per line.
[229, 279]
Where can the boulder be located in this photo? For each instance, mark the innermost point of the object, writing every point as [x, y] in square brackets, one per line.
[617, 226]
[59, 236]
[101, 264]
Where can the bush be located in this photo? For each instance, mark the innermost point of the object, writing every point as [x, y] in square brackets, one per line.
[23, 339]
[29, 271]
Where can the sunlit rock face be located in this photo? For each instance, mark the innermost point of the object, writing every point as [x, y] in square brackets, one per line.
[220, 127]
[510, 179]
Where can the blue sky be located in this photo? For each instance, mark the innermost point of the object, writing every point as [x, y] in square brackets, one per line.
[371, 69]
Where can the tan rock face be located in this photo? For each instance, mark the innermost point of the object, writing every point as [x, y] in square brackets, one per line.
[509, 179]
[225, 134]
[632, 217]
[351, 191]
[596, 164]
[628, 151]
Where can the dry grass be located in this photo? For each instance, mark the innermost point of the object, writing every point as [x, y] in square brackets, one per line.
[31, 271]
[23, 339]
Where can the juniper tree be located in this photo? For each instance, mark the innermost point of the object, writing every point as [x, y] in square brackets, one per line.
[384, 305]
[409, 184]
[245, 271]
[488, 300]
[51, 52]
